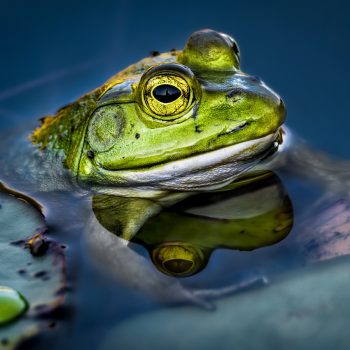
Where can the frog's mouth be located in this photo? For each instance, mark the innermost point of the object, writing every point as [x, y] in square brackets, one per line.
[204, 171]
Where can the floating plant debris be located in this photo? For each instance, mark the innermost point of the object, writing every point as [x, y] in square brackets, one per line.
[38, 244]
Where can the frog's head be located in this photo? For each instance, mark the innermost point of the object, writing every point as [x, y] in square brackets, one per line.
[183, 120]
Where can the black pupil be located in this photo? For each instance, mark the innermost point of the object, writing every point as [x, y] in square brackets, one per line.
[166, 93]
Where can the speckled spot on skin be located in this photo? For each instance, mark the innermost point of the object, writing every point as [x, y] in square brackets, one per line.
[197, 129]
[90, 154]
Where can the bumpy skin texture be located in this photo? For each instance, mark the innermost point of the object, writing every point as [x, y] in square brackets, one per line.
[131, 132]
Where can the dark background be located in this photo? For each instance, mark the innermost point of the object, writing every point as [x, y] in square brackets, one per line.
[52, 52]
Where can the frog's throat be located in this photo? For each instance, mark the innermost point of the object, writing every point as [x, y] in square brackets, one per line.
[208, 170]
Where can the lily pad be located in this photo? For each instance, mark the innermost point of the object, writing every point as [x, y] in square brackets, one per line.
[32, 269]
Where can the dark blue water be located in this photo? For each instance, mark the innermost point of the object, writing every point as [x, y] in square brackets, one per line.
[51, 53]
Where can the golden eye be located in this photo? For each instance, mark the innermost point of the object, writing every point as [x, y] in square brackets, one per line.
[167, 92]
[167, 95]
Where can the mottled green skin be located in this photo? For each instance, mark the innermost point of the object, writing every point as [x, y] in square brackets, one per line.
[108, 130]
[65, 131]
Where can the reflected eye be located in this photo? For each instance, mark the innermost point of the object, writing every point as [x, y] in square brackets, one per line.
[167, 91]
[178, 259]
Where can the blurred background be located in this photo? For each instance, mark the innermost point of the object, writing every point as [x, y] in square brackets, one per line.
[54, 51]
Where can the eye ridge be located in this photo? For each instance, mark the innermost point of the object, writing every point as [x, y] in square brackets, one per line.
[166, 93]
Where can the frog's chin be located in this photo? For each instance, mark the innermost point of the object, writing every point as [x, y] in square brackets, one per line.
[206, 171]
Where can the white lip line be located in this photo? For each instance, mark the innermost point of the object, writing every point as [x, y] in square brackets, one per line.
[192, 164]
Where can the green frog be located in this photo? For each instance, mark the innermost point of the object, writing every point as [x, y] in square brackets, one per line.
[181, 121]
[164, 128]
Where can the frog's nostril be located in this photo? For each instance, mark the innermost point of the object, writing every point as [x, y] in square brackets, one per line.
[235, 93]
[282, 109]
[282, 105]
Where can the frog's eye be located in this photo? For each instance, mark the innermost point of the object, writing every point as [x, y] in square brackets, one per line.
[167, 91]
[167, 95]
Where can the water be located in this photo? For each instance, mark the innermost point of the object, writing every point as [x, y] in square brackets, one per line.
[53, 53]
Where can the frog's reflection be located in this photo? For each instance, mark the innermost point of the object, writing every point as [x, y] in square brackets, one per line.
[180, 237]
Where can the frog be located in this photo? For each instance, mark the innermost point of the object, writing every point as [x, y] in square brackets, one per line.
[180, 121]
[162, 129]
